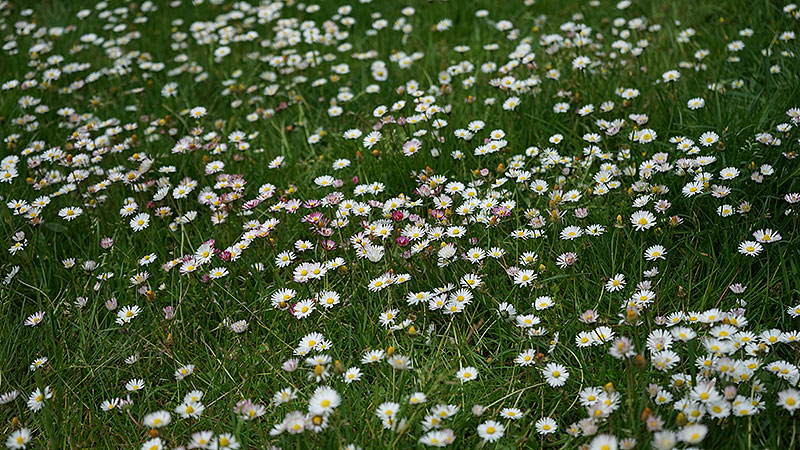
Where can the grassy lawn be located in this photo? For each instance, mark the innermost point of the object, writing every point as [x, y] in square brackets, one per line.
[354, 224]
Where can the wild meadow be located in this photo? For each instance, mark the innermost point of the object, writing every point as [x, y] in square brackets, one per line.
[404, 224]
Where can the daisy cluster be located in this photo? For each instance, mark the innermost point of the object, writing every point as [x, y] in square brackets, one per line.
[353, 224]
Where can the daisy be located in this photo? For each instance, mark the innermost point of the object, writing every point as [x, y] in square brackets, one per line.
[280, 298]
[225, 441]
[147, 259]
[340, 164]
[193, 397]
[218, 273]
[471, 281]
[352, 134]
[725, 211]
[789, 400]
[664, 439]
[580, 62]
[767, 236]
[692, 189]
[127, 314]
[328, 299]
[379, 283]
[696, 103]
[187, 410]
[615, 283]
[387, 410]
[527, 320]
[511, 413]
[417, 398]
[19, 438]
[134, 385]
[184, 371]
[248, 410]
[467, 374]
[542, 303]
[201, 439]
[140, 221]
[526, 358]
[372, 139]
[323, 401]
[69, 213]
[157, 419]
[511, 103]
[411, 147]
[37, 398]
[276, 162]
[655, 252]
[555, 374]
[604, 442]
[34, 319]
[372, 356]
[671, 75]
[475, 255]
[38, 362]
[436, 438]
[693, 433]
[708, 138]
[645, 136]
[400, 362]
[284, 396]
[491, 431]
[109, 405]
[571, 232]
[750, 248]
[643, 220]
[303, 308]
[546, 425]
[153, 444]
[524, 277]
[351, 374]
[197, 112]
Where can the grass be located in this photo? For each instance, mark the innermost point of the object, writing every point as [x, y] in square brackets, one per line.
[87, 350]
